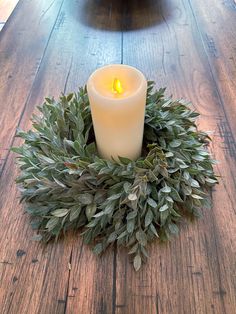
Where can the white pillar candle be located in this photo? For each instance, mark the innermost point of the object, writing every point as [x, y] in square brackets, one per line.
[117, 96]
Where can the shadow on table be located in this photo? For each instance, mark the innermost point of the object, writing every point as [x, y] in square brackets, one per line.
[123, 15]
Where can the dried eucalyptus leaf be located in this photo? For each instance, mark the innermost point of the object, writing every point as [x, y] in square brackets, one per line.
[61, 212]
[163, 208]
[132, 197]
[130, 225]
[173, 228]
[151, 202]
[52, 222]
[90, 211]
[149, 217]
[166, 189]
[141, 237]
[137, 262]
[98, 249]
[132, 215]
[194, 183]
[85, 198]
[175, 195]
[75, 212]
[175, 143]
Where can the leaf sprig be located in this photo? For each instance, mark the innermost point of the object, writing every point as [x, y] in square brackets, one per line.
[67, 186]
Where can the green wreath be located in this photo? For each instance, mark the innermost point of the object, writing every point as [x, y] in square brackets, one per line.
[67, 186]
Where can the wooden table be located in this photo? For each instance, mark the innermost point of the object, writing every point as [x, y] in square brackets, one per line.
[187, 45]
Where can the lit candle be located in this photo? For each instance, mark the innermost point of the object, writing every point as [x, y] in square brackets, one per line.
[117, 96]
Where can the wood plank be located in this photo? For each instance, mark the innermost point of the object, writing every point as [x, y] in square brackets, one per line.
[66, 275]
[193, 273]
[6, 8]
[22, 45]
[217, 29]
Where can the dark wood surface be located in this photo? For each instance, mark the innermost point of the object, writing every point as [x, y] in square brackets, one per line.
[187, 45]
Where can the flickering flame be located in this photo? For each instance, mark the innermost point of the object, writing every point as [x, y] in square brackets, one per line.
[117, 87]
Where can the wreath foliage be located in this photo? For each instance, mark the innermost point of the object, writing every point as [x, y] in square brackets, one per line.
[66, 185]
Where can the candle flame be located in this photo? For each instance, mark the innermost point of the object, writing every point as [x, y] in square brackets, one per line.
[117, 87]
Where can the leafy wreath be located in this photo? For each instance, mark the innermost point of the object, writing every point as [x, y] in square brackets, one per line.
[67, 186]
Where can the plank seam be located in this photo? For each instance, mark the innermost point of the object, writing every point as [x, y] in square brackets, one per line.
[115, 246]
[68, 74]
[114, 280]
[222, 106]
[68, 281]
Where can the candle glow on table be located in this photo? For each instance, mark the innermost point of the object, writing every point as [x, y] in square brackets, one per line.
[117, 96]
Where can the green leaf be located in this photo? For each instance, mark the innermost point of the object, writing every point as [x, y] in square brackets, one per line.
[198, 157]
[52, 222]
[69, 97]
[141, 237]
[209, 180]
[173, 228]
[174, 213]
[127, 187]
[78, 147]
[144, 251]
[175, 195]
[194, 183]
[122, 235]
[112, 237]
[130, 225]
[163, 208]
[134, 249]
[74, 213]
[164, 172]
[109, 208]
[169, 154]
[98, 248]
[148, 217]
[132, 197]
[186, 189]
[91, 149]
[61, 212]
[100, 196]
[169, 199]
[114, 197]
[163, 217]
[46, 160]
[124, 160]
[153, 230]
[137, 262]
[90, 211]
[85, 198]
[59, 183]
[198, 197]
[132, 215]
[175, 143]
[100, 214]
[166, 189]
[151, 202]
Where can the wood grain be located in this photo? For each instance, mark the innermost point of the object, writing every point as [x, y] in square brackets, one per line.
[186, 45]
[23, 42]
[37, 279]
[198, 263]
